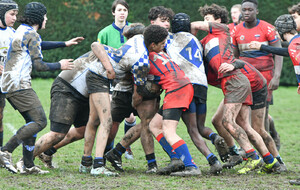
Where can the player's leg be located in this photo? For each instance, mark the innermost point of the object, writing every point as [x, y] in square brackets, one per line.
[128, 123]
[146, 110]
[2, 105]
[101, 102]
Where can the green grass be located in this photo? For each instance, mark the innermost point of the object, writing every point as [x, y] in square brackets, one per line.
[285, 112]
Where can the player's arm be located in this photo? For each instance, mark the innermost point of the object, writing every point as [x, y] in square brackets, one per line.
[36, 56]
[270, 49]
[47, 45]
[136, 97]
[199, 25]
[99, 51]
[274, 83]
[227, 67]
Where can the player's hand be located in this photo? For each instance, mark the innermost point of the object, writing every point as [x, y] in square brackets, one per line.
[111, 74]
[66, 64]
[255, 45]
[298, 90]
[226, 67]
[1, 69]
[74, 41]
[274, 83]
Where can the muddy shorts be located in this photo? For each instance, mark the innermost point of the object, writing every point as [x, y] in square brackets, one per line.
[259, 98]
[68, 107]
[170, 114]
[2, 100]
[96, 83]
[24, 100]
[236, 89]
[268, 76]
[180, 98]
[121, 107]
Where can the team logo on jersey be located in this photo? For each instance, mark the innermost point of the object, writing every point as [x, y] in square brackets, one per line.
[257, 36]
[242, 37]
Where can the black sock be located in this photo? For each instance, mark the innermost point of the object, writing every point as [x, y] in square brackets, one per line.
[87, 160]
[233, 150]
[98, 162]
[212, 137]
[151, 160]
[119, 150]
[28, 147]
[212, 159]
[1, 139]
[50, 151]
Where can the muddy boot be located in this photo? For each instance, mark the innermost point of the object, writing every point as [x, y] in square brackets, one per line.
[174, 166]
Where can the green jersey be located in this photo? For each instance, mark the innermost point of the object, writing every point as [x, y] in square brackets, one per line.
[112, 36]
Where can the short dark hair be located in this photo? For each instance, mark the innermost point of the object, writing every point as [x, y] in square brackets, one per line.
[215, 10]
[255, 2]
[121, 2]
[294, 9]
[154, 34]
[160, 12]
[133, 29]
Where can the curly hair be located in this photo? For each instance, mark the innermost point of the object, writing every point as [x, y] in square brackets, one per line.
[160, 12]
[154, 34]
[215, 10]
[294, 9]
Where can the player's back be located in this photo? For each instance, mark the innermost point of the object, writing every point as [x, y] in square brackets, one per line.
[187, 52]
[165, 72]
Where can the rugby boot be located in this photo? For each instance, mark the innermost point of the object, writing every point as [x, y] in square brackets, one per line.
[34, 170]
[250, 165]
[114, 159]
[242, 153]
[20, 165]
[295, 182]
[85, 169]
[188, 171]
[47, 160]
[152, 168]
[233, 161]
[129, 154]
[216, 168]
[274, 167]
[222, 148]
[102, 171]
[174, 166]
[6, 161]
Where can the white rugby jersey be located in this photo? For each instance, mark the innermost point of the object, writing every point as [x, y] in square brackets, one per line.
[187, 52]
[77, 76]
[24, 53]
[6, 35]
[132, 57]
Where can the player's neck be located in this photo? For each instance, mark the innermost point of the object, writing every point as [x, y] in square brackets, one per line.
[120, 24]
[251, 24]
[289, 37]
[2, 26]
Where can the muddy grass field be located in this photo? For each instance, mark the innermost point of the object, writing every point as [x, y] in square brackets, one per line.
[285, 111]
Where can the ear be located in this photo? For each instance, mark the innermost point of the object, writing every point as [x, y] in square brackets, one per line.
[113, 13]
[152, 22]
[218, 20]
[257, 11]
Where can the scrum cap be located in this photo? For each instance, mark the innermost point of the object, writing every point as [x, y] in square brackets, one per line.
[284, 24]
[181, 22]
[35, 11]
[6, 5]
